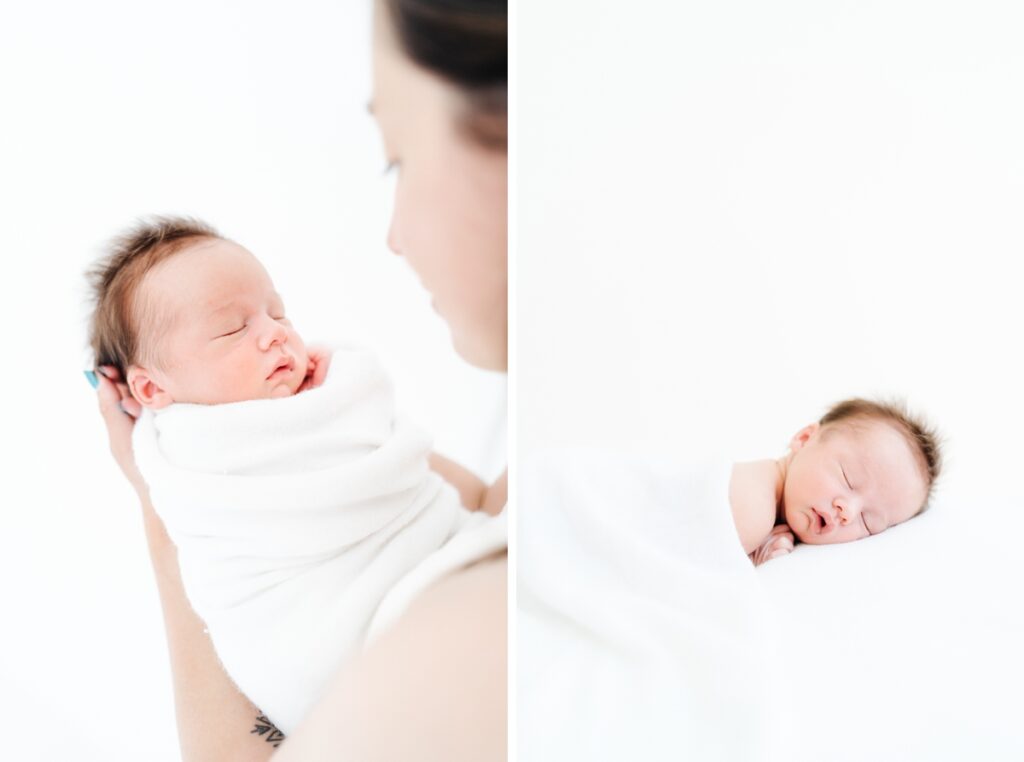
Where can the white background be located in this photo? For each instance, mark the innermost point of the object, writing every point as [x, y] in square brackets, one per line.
[253, 117]
[733, 214]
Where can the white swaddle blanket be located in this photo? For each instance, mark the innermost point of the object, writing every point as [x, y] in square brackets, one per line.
[302, 524]
[641, 625]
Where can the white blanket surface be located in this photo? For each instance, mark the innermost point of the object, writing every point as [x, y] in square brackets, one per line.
[906, 645]
[304, 525]
[641, 627]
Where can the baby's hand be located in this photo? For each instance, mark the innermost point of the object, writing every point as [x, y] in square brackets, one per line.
[778, 543]
[316, 369]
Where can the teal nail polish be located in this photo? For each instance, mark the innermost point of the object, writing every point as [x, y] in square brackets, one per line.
[90, 376]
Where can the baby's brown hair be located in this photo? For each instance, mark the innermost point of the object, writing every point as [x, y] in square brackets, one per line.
[922, 437]
[118, 317]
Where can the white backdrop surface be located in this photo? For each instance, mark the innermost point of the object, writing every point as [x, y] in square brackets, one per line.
[733, 214]
[249, 115]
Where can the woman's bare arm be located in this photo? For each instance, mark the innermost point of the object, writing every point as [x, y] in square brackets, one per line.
[216, 722]
[434, 687]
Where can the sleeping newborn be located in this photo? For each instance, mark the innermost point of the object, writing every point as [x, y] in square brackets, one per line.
[864, 467]
[305, 512]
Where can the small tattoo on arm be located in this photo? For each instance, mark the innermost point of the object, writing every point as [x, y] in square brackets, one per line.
[268, 731]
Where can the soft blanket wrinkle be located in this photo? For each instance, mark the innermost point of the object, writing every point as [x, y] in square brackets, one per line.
[641, 626]
[296, 518]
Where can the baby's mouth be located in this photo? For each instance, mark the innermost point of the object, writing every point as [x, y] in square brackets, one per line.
[822, 525]
[285, 364]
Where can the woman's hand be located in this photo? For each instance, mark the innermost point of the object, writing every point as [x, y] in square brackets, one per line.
[778, 543]
[119, 410]
[316, 369]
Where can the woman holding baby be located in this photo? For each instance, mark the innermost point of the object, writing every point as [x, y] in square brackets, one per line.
[439, 674]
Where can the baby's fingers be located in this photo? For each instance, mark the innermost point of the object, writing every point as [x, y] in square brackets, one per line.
[782, 543]
[321, 371]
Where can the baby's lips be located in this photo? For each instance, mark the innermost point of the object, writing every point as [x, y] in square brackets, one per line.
[286, 362]
[823, 524]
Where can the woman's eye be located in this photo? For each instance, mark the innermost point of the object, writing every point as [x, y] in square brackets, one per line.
[231, 333]
[845, 477]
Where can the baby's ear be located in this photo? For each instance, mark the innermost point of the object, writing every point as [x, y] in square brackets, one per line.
[803, 436]
[146, 389]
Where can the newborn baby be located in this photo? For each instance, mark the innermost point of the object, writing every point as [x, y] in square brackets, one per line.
[305, 513]
[864, 467]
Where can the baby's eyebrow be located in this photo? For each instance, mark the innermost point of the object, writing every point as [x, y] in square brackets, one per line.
[234, 304]
[223, 308]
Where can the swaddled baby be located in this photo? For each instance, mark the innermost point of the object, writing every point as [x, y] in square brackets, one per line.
[305, 514]
[864, 467]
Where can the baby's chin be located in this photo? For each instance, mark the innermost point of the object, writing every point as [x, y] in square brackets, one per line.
[279, 391]
[804, 533]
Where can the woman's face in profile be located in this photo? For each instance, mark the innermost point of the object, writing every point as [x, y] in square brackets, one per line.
[450, 212]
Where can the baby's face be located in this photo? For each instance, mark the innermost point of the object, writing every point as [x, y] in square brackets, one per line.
[850, 480]
[221, 333]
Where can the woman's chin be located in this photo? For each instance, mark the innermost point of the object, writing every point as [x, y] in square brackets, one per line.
[480, 351]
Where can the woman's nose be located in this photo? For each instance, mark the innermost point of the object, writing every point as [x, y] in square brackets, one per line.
[393, 243]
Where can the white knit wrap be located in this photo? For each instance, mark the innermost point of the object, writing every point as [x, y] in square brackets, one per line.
[295, 518]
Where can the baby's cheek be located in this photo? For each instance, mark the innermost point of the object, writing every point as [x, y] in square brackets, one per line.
[802, 536]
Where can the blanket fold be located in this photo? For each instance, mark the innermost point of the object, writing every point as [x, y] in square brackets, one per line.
[294, 518]
[641, 627]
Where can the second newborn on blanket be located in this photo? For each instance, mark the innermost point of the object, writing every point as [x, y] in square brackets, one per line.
[864, 467]
[305, 514]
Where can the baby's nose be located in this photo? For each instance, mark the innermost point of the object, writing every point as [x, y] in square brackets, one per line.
[841, 512]
[275, 333]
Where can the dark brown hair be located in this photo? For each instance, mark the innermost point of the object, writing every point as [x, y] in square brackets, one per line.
[923, 438]
[117, 316]
[466, 43]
